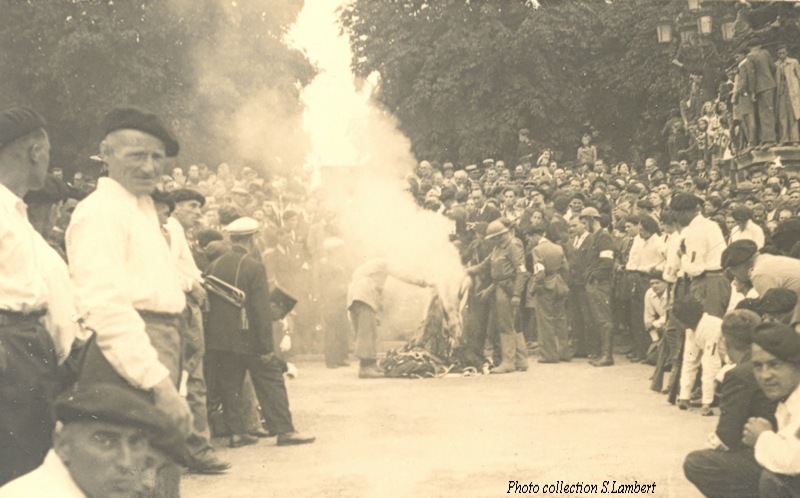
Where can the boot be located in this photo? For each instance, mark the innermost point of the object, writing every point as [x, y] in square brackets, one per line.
[521, 355]
[508, 346]
[606, 358]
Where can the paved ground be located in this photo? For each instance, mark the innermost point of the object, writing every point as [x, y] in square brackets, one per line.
[467, 437]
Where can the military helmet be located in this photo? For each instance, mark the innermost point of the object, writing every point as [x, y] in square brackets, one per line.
[494, 229]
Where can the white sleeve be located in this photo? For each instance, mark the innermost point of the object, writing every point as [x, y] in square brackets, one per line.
[779, 452]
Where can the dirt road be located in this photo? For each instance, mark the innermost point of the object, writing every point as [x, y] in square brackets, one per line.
[468, 437]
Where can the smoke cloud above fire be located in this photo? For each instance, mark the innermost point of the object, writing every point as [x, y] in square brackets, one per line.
[362, 160]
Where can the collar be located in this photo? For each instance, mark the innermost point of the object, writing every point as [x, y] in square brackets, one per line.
[10, 199]
[114, 188]
[792, 403]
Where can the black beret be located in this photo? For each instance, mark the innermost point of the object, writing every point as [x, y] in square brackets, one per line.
[738, 252]
[187, 194]
[779, 340]
[777, 300]
[748, 303]
[111, 403]
[54, 190]
[740, 325]
[16, 122]
[131, 118]
[208, 235]
[159, 196]
[684, 202]
[787, 234]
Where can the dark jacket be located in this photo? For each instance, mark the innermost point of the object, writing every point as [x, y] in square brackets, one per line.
[223, 325]
[740, 399]
[576, 257]
[599, 257]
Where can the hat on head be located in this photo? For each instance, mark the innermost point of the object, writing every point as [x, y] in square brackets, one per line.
[589, 212]
[132, 118]
[779, 340]
[187, 194]
[494, 229]
[16, 122]
[488, 162]
[471, 167]
[116, 404]
[684, 202]
[240, 191]
[738, 252]
[242, 226]
[777, 300]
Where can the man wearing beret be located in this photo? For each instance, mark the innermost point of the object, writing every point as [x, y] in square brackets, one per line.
[36, 301]
[776, 364]
[728, 467]
[777, 305]
[700, 252]
[184, 219]
[241, 338]
[128, 285]
[763, 271]
[111, 444]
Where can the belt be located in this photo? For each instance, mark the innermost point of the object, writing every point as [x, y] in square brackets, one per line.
[8, 317]
[160, 316]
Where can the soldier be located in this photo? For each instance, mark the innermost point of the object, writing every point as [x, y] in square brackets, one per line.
[506, 264]
[599, 275]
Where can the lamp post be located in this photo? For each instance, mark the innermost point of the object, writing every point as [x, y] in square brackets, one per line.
[664, 31]
[727, 28]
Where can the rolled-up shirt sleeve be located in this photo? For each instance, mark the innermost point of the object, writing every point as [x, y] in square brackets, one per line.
[97, 245]
[779, 452]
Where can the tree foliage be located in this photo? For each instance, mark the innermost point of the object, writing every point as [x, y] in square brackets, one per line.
[201, 64]
[463, 76]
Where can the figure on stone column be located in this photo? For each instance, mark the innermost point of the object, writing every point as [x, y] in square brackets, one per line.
[787, 79]
[762, 91]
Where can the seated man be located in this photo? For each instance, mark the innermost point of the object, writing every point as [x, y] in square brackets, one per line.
[112, 444]
[776, 364]
[729, 468]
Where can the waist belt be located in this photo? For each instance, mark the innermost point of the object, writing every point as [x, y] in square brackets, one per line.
[159, 316]
[8, 317]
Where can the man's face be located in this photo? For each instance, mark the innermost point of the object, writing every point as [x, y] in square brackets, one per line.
[683, 165]
[782, 53]
[134, 160]
[109, 460]
[575, 185]
[784, 215]
[777, 378]
[631, 229]
[424, 169]
[211, 218]
[757, 179]
[477, 197]
[613, 192]
[188, 213]
[768, 198]
[58, 173]
[663, 190]
[194, 172]
[537, 198]
[509, 198]
[741, 272]
[576, 227]
[599, 167]
[41, 161]
[491, 175]
[794, 195]
[759, 213]
[658, 286]
[576, 205]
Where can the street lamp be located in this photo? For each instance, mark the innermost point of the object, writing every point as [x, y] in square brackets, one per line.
[705, 24]
[664, 30]
[694, 5]
[727, 29]
[687, 29]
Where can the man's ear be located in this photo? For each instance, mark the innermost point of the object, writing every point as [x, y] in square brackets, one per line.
[61, 443]
[105, 149]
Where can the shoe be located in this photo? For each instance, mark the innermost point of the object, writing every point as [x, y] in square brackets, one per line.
[602, 362]
[370, 372]
[566, 359]
[208, 463]
[707, 412]
[580, 355]
[259, 433]
[508, 347]
[294, 438]
[542, 360]
[683, 404]
[239, 440]
[521, 353]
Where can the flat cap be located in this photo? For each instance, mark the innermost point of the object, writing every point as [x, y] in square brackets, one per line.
[488, 162]
[779, 340]
[777, 300]
[16, 122]
[132, 118]
[738, 252]
[589, 212]
[116, 404]
[187, 194]
[471, 167]
[684, 202]
[242, 226]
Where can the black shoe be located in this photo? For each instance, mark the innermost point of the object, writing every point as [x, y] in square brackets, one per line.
[683, 404]
[580, 355]
[260, 433]
[542, 360]
[294, 438]
[208, 463]
[605, 361]
[239, 440]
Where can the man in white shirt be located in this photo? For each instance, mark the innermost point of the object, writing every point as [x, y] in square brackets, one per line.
[128, 286]
[36, 302]
[701, 252]
[776, 364]
[111, 444]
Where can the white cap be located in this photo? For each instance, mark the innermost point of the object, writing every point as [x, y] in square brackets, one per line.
[242, 226]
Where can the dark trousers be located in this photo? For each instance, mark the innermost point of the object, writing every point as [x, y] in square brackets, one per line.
[193, 347]
[28, 384]
[551, 320]
[580, 319]
[765, 104]
[640, 337]
[600, 327]
[778, 486]
[476, 324]
[723, 474]
[337, 337]
[714, 291]
[270, 390]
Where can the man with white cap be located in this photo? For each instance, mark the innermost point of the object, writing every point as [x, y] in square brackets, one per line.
[241, 338]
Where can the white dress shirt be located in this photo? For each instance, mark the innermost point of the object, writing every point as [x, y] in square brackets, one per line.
[672, 264]
[647, 255]
[655, 309]
[751, 232]
[33, 276]
[179, 247]
[704, 245]
[120, 262]
[779, 451]
[51, 479]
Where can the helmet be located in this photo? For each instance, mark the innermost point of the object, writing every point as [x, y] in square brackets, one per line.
[589, 212]
[494, 229]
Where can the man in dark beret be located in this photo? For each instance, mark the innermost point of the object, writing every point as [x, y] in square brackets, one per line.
[763, 271]
[777, 305]
[776, 364]
[129, 287]
[36, 300]
[730, 468]
[112, 444]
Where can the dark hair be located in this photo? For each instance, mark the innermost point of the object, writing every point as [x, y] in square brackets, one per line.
[161, 197]
[689, 311]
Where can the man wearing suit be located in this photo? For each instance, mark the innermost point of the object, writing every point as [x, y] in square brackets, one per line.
[242, 341]
[787, 79]
[743, 107]
[729, 467]
[578, 304]
[549, 291]
[483, 211]
[762, 90]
